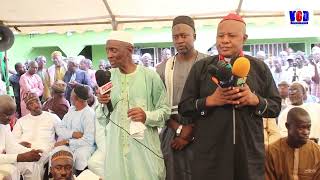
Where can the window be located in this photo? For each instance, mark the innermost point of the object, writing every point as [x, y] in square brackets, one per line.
[271, 49]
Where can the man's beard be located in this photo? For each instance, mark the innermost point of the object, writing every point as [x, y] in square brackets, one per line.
[184, 50]
[37, 112]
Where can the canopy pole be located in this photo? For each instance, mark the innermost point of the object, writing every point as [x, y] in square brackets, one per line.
[7, 71]
[113, 17]
[239, 7]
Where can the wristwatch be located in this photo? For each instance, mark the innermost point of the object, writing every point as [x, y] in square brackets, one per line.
[178, 131]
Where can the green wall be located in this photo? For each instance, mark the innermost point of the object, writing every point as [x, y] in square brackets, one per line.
[30, 46]
[44, 51]
[98, 52]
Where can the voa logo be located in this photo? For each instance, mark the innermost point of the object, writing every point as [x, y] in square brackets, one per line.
[299, 17]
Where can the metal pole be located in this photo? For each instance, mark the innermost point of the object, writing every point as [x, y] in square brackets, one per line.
[7, 71]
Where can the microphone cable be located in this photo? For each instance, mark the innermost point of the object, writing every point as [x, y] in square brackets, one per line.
[132, 138]
[145, 146]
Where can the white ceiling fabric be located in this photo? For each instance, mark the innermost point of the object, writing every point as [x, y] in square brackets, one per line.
[60, 16]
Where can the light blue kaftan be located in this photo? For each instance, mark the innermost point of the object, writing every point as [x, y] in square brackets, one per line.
[82, 121]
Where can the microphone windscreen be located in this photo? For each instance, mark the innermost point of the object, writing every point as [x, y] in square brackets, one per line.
[212, 70]
[102, 77]
[241, 67]
[225, 71]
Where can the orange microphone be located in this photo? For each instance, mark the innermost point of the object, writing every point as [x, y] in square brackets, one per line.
[240, 70]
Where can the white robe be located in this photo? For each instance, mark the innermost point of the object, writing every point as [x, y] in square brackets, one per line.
[2, 87]
[9, 150]
[37, 130]
[9, 170]
[96, 162]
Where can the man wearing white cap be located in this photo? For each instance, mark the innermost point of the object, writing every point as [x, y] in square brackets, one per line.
[314, 60]
[146, 59]
[140, 107]
[292, 72]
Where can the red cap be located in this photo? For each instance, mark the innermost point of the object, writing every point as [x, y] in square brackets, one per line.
[232, 16]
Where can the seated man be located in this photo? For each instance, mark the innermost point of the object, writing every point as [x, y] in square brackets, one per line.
[57, 104]
[96, 162]
[61, 166]
[77, 128]
[297, 94]
[36, 129]
[61, 163]
[12, 153]
[295, 156]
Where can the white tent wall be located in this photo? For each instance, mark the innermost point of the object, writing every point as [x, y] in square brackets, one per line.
[60, 16]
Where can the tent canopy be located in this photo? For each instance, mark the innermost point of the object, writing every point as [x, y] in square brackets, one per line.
[60, 16]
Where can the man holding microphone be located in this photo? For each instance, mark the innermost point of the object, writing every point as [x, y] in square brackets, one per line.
[229, 141]
[140, 107]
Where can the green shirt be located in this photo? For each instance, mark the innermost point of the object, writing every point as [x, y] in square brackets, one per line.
[126, 159]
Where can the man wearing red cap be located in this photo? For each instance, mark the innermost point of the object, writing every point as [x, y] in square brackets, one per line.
[228, 121]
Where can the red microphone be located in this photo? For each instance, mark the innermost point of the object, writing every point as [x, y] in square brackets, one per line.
[105, 85]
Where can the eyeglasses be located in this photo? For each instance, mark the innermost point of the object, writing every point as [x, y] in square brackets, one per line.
[293, 91]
